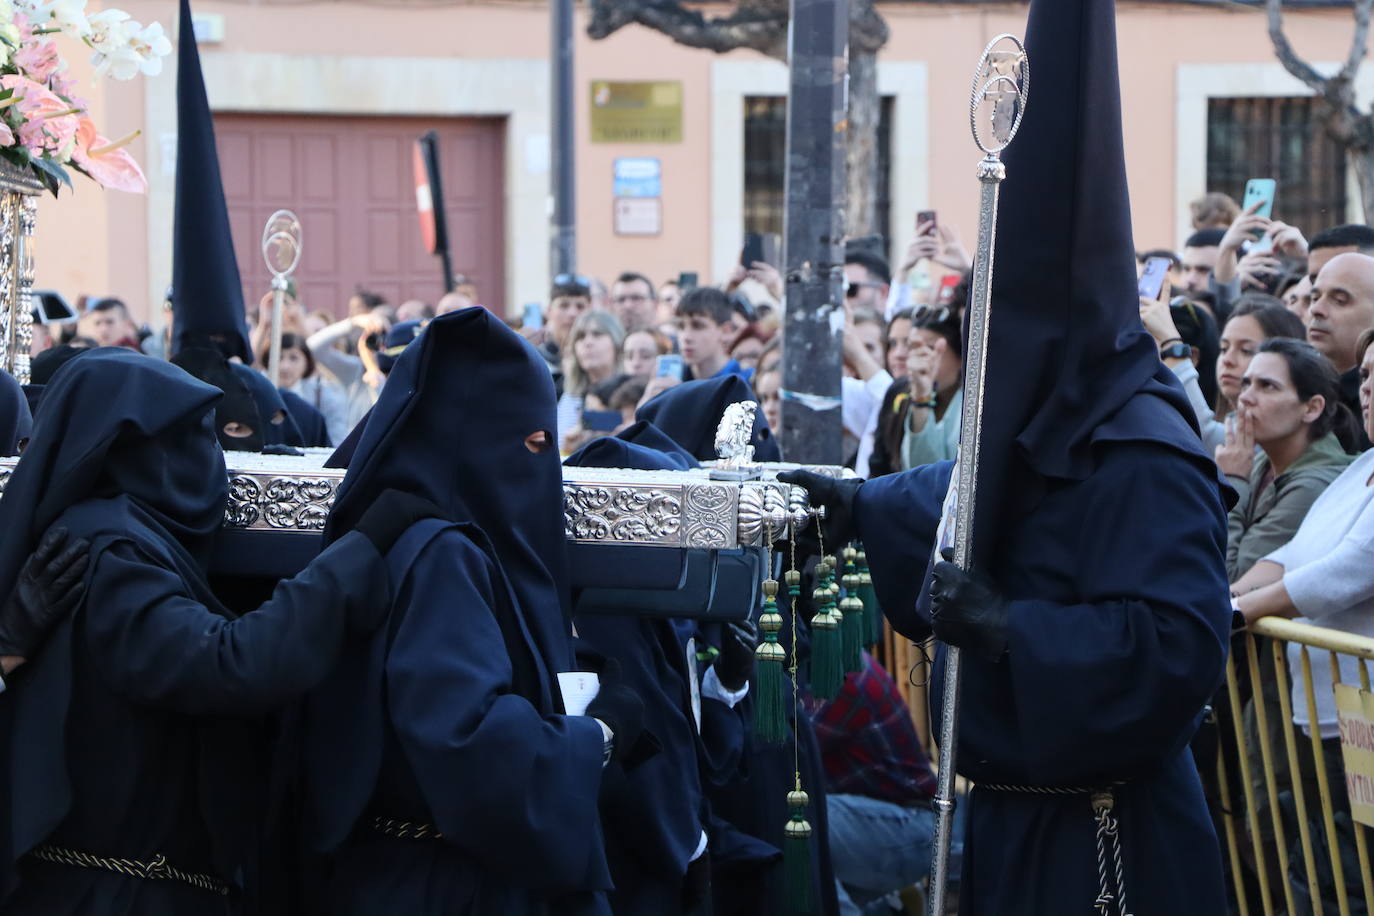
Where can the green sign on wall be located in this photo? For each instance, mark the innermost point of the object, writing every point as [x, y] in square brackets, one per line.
[641, 112]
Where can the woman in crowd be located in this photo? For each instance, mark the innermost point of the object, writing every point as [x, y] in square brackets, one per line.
[897, 346]
[592, 355]
[297, 374]
[356, 375]
[1255, 319]
[892, 415]
[1289, 406]
[935, 371]
[1323, 576]
[641, 352]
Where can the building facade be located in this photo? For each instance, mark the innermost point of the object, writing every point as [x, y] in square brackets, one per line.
[317, 104]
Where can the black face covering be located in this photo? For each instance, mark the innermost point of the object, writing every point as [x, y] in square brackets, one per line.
[278, 426]
[15, 418]
[689, 414]
[237, 412]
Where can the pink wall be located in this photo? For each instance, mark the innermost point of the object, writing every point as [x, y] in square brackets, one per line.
[96, 241]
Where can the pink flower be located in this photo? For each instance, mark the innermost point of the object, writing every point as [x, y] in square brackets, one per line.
[49, 122]
[109, 164]
[6, 135]
[38, 60]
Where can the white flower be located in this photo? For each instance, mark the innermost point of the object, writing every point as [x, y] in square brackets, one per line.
[121, 63]
[109, 29]
[151, 45]
[69, 16]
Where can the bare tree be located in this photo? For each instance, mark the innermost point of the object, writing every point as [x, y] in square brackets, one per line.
[762, 26]
[1340, 117]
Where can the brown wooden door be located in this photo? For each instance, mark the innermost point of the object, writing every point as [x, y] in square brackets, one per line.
[350, 181]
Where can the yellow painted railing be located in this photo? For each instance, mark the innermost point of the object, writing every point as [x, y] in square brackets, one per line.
[1267, 767]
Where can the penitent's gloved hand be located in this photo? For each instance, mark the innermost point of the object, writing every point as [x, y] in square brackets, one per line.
[838, 498]
[966, 610]
[735, 663]
[50, 586]
[620, 707]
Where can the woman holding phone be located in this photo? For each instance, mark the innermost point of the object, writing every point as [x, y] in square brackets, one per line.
[1256, 319]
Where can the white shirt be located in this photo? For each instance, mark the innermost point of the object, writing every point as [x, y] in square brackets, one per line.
[1329, 575]
[860, 402]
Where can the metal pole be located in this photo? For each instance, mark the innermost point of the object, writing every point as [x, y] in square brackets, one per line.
[278, 301]
[817, 108]
[563, 253]
[1003, 79]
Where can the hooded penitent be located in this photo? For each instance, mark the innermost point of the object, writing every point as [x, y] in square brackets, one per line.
[114, 424]
[451, 714]
[278, 426]
[689, 413]
[15, 419]
[207, 297]
[1115, 628]
[1065, 350]
[238, 422]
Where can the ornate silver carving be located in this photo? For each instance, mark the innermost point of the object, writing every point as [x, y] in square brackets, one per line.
[18, 211]
[683, 509]
[734, 433]
[1000, 87]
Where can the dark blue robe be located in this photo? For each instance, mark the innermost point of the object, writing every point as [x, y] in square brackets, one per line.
[16, 417]
[133, 733]
[654, 813]
[1118, 628]
[451, 716]
[309, 421]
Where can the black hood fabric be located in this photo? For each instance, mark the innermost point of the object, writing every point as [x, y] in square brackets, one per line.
[42, 367]
[450, 425]
[278, 426]
[689, 414]
[118, 424]
[238, 404]
[1065, 349]
[207, 296]
[15, 418]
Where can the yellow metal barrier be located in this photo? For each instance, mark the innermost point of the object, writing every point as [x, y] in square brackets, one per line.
[1273, 776]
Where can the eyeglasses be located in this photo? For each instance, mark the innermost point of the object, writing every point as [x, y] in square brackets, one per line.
[852, 289]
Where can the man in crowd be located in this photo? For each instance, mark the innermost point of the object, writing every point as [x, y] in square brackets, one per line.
[879, 786]
[633, 302]
[704, 318]
[1342, 309]
[1200, 254]
[867, 281]
[107, 322]
[1324, 246]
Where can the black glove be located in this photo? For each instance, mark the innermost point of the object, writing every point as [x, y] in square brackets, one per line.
[966, 610]
[621, 709]
[735, 663]
[391, 514]
[281, 448]
[50, 586]
[838, 498]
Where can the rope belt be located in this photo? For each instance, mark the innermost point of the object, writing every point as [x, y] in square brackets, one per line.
[156, 870]
[406, 830]
[1111, 897]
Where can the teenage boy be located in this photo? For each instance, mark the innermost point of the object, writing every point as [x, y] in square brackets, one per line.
[704, 325]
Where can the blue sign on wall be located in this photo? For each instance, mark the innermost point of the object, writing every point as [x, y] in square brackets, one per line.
[638, 177]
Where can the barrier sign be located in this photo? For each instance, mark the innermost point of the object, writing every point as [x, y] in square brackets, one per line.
[1355, 714]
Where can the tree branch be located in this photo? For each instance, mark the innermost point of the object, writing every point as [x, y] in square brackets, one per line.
[760, 26]
[1283, 49]
[1359, 43]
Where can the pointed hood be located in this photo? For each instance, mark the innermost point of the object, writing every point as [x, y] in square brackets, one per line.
[1066, 350]
[690, 413]
[207, 295]
[451, 425]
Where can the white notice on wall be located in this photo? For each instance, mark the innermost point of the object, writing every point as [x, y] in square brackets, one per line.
[638, 215]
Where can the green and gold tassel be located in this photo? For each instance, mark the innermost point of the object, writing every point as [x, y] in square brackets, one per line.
[855, 625]
[770, 713]
[796, 855]
[873, 615]
[827, 640]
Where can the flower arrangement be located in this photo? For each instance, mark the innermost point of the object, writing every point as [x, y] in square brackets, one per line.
[45, 127]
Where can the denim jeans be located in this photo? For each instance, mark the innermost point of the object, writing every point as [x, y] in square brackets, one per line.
[878, 848]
